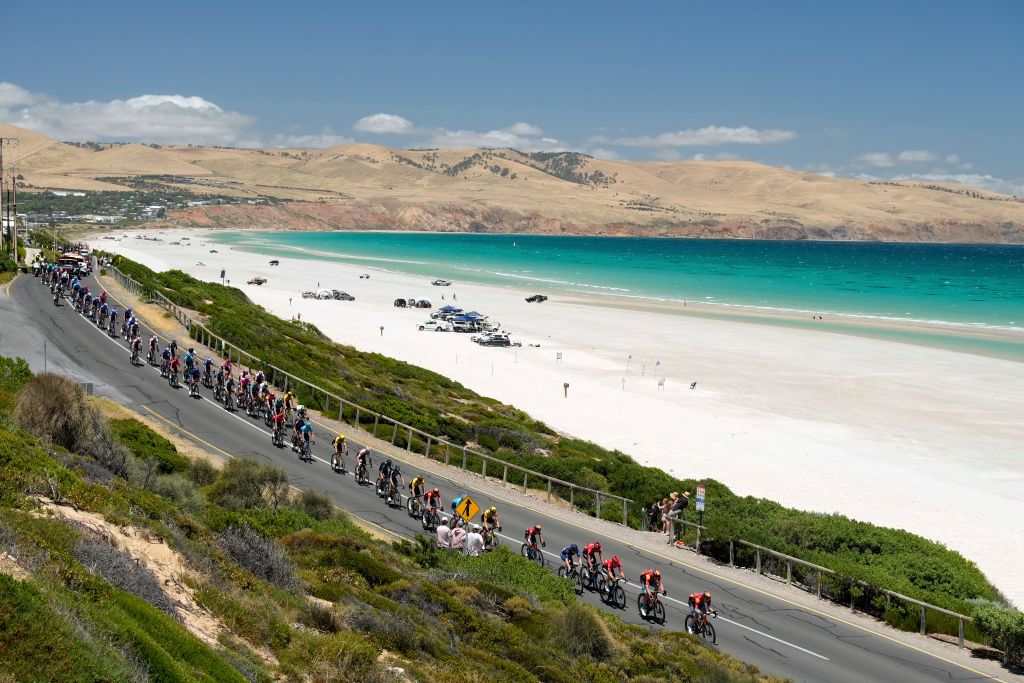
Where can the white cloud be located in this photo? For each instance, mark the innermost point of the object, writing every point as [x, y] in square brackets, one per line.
[1011, 186]
[164, 119]
[325, 139]
[523, 128]
[385, 123]
[915, 156]
[710, 135]
[952, 159]
[602, 153]
[699, 157]
[879, 159]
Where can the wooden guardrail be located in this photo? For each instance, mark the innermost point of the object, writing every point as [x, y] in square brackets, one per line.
[788, 561]
[434, 446]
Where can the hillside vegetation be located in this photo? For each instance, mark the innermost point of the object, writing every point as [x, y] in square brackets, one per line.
[269, 585]
[362, 186]
[885, 558]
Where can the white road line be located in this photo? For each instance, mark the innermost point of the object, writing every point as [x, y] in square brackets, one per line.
[117, 342]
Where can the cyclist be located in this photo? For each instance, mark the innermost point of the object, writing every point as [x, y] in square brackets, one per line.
[174, 348]
[103, 297]
[165, 360]
[593, 555]
[567, 554]
[363, 461]
[196, 378]
[289, 400]
[701, 602]
[416, 486]
[136, 346]
[489, 517]
[393, 486]
[533, 534]
[113, 319]
[650, 583]
[383, 474]
[305, 434]
[229, 389]
[456, 502]
[279, 424]
[433, 500]
[610, 566]
[175, 366]
[190, 359]
[260, 377]
[207, 368]
[340, 451]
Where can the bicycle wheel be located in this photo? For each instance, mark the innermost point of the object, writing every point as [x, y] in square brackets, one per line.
[619, 596]
[527, 551]
[562, 571]
[640, 605]
[709, 632]
[538, 555]
[659, 612]
[689, 624]
[577, 583]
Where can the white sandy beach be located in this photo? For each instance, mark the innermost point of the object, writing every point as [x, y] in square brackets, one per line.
[907, 436]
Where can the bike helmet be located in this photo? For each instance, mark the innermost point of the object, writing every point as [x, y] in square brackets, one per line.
[597, 546]
[657, 572]
[437, 490]
[493, 509]
[537, 526]
[615, 559]
[707, 594]
[388, 461]
[190, 349]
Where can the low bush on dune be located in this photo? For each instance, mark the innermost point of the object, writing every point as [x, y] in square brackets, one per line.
[888, 558]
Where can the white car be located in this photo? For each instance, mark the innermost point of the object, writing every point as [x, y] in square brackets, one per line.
[436, 326]
[441, 283]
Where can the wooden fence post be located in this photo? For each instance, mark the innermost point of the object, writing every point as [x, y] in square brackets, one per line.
[757, 560]
[409, 444]
[549, 490]
[376, 419]
[924, 620]
[483, 469]
[789, 572]
[464, 456]
[732, 562]
[597, 505]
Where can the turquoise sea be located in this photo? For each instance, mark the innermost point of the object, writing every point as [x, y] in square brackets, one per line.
[972, 295]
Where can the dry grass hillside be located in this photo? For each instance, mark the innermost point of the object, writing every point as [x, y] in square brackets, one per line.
[370, 186]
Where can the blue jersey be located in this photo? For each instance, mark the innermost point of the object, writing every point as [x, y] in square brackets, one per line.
[569, 551]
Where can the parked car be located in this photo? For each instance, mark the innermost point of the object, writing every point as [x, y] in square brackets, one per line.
[324, 294]
[441, 283]
[342, 296]
[309, 295]
[463, 326]
[436, 326]
[494, 339]
[364, 276]
[275, 262]
[536, 299]
[257, 281]
[400, 303]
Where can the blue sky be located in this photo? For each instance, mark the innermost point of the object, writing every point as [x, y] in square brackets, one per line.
[887, 89]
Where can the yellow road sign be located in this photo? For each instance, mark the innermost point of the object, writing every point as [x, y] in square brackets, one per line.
[467, 509]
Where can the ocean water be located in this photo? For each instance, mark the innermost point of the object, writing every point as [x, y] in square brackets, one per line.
[973, 295]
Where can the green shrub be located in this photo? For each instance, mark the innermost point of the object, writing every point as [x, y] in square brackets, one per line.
[315, 504]
[146, 444]
[1004, 629]
[246, 484]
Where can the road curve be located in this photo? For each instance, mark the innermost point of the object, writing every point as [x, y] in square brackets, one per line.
[770, 632]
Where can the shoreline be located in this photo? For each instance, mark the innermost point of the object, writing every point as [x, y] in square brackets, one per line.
[802, 415]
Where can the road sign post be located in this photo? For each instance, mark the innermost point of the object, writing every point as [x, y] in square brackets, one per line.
[700, 509]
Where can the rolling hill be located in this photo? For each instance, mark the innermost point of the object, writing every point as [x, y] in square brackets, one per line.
[503, 190]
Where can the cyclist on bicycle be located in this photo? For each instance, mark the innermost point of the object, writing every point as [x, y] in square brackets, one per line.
[567, 555]
[416, 486]
[190, 359]
[701, 602]
[363, 461]
[396, 476]
[533, 534]
[207, 366]
[383, 474]
[113, 318]
[196, 379]
[650, 583]
[279, 423]
[456, 502]
[489, 517]
[433, 499]
[340, 451]
[175, 365]
[610, 567]
[305, 433]
[593, 555]
[136, 346]
[174, 348]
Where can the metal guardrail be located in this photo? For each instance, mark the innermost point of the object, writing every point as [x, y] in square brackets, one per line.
[789, 562]
[432, 444]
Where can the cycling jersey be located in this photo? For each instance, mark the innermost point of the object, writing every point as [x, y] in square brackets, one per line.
[611, 564]
[174, 364]
[570, 551]
[488, 515]
[591, 550]
[339, 443]
[648, 579]
[433, 498]
[532, 533]
[417, 482]
[396, 472]
[699, 602]
[208, 363]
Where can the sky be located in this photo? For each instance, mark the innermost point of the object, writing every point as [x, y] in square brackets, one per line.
[907, 89]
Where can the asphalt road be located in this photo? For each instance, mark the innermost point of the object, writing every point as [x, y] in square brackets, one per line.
[770, 632]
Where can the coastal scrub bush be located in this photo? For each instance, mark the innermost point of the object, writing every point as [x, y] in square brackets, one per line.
[260, 556]
[315, 504]
[100, 558]
[244, 484]
[146, 444]
[1004, 629]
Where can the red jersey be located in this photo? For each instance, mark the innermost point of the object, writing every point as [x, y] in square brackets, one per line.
[698, 599]
[611, 564]
[648, 578]
[592, 548]
[533, 531]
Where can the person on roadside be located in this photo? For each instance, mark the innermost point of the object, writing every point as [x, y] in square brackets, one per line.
[474, 542]
[654, 516]
[444, 534]
[666, 507]
[458, 538]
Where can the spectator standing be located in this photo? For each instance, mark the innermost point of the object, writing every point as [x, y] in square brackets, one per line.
[444, 534]
[654, 516]
[666, 505]
[474, 542]
[458, 538]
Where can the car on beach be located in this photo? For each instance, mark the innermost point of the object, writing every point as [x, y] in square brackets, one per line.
[441, 283]
[436, 326]
[536, 299]
[494, 339]
[342, 296]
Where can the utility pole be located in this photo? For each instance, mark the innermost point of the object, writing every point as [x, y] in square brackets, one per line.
[4, 142]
